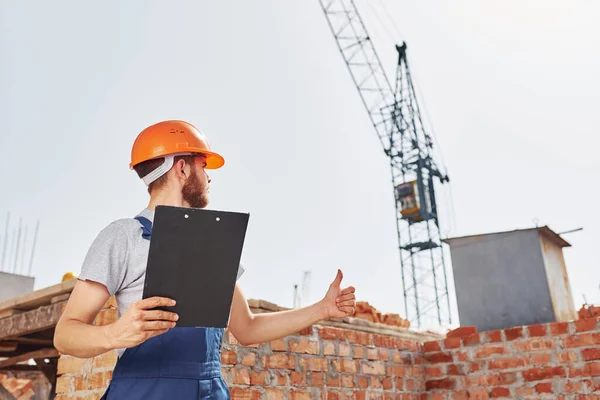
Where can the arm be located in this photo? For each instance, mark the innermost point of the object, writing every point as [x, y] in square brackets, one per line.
[249, 328]
[76, 335]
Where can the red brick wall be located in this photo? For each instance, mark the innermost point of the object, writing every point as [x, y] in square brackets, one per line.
[552, 361]
[325, 362]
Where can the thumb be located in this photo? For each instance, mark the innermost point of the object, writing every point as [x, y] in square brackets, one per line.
[338, 278]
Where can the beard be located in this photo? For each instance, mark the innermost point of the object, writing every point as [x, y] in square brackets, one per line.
[194, 192]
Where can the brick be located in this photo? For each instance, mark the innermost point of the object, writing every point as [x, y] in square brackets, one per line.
[577, 372]
[106, 317]
[591, 354]
[317, 379]
[541, 358]
[348, 381]
[308, 331]
[537, 330]
[471, 340]
[544, 387]
[363, 382]
[259, 377]
[241, 376]
[567, 356]
[376, 383]
[445, 383]
[64, 384]
[559, 328]
[507, 378]
[344, 350]
[358, 352]
[439, 357]
[273, 394]
[362, 338]
[433, 372]
[457, 369]
[384, 354]
[297, 378]
[579, 340]
[330, 333]
[462, 356]
[98, 380]
[431, 346]
[279, 360]
[460, 395]
[594, 368]
[228, 357]
[535, 344]
[278, 345]
[372, 368]
[245, 394]
[384, 341]
[462, 331]
[106, 360]
[387, 383]
[372, 354]
[478, 394]
[491, 336]
[349, 366]
[249, 360]
[489, 350]
[538, 374]
[317, 364]
[500, 392]
[333, 380]
[329, 348]
[303, 346]
[582, 325]
[513, 333]
[69, 365]
[300, 395]
[280, 378]
[452, 343]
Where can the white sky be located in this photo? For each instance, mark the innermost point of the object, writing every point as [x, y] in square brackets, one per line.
[510, 87]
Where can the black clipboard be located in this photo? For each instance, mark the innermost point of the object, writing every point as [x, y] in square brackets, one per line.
[194, 258]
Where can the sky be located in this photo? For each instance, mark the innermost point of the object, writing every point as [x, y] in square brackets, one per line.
[509, 88]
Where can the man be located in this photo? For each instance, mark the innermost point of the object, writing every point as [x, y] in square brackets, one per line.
[158, 360]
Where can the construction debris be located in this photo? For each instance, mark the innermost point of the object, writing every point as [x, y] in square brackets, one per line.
[366, 311]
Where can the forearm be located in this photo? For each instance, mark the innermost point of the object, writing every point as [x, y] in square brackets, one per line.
[82, 340]
[270, 326]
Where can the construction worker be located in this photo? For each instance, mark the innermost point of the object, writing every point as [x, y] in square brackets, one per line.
[158, 360]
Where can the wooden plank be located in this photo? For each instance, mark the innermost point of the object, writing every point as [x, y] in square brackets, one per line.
[39, 297]
[8, 346]
[45, 317]
[62, 297]
[45, 353]
[27, 340]
[8, 313]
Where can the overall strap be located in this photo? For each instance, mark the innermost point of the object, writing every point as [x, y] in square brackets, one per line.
[146, 227]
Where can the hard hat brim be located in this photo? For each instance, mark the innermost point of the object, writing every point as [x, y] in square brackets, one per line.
[213, 160]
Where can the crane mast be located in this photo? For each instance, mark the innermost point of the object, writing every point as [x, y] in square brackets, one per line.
[395, 115]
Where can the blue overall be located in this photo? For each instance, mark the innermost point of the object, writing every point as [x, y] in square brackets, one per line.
[183, 363]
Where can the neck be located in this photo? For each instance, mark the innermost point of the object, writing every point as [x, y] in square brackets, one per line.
[166, 198]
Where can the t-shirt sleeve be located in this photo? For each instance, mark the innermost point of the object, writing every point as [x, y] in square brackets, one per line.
[105, 261]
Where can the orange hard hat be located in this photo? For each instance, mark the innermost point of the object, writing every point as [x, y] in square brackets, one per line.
[168, 139]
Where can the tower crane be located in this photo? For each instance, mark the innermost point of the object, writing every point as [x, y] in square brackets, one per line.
[395, 115]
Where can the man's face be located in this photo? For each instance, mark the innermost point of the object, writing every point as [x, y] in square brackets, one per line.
[195, 189]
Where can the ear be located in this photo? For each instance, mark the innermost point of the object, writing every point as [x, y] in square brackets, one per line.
[181, 169]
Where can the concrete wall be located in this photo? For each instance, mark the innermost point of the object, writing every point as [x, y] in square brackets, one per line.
[500, 280]
[12, 285]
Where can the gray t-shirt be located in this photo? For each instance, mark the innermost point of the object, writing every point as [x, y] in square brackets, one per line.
[117, 259]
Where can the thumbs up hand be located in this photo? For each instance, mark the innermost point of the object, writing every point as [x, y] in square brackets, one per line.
[339, 303]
